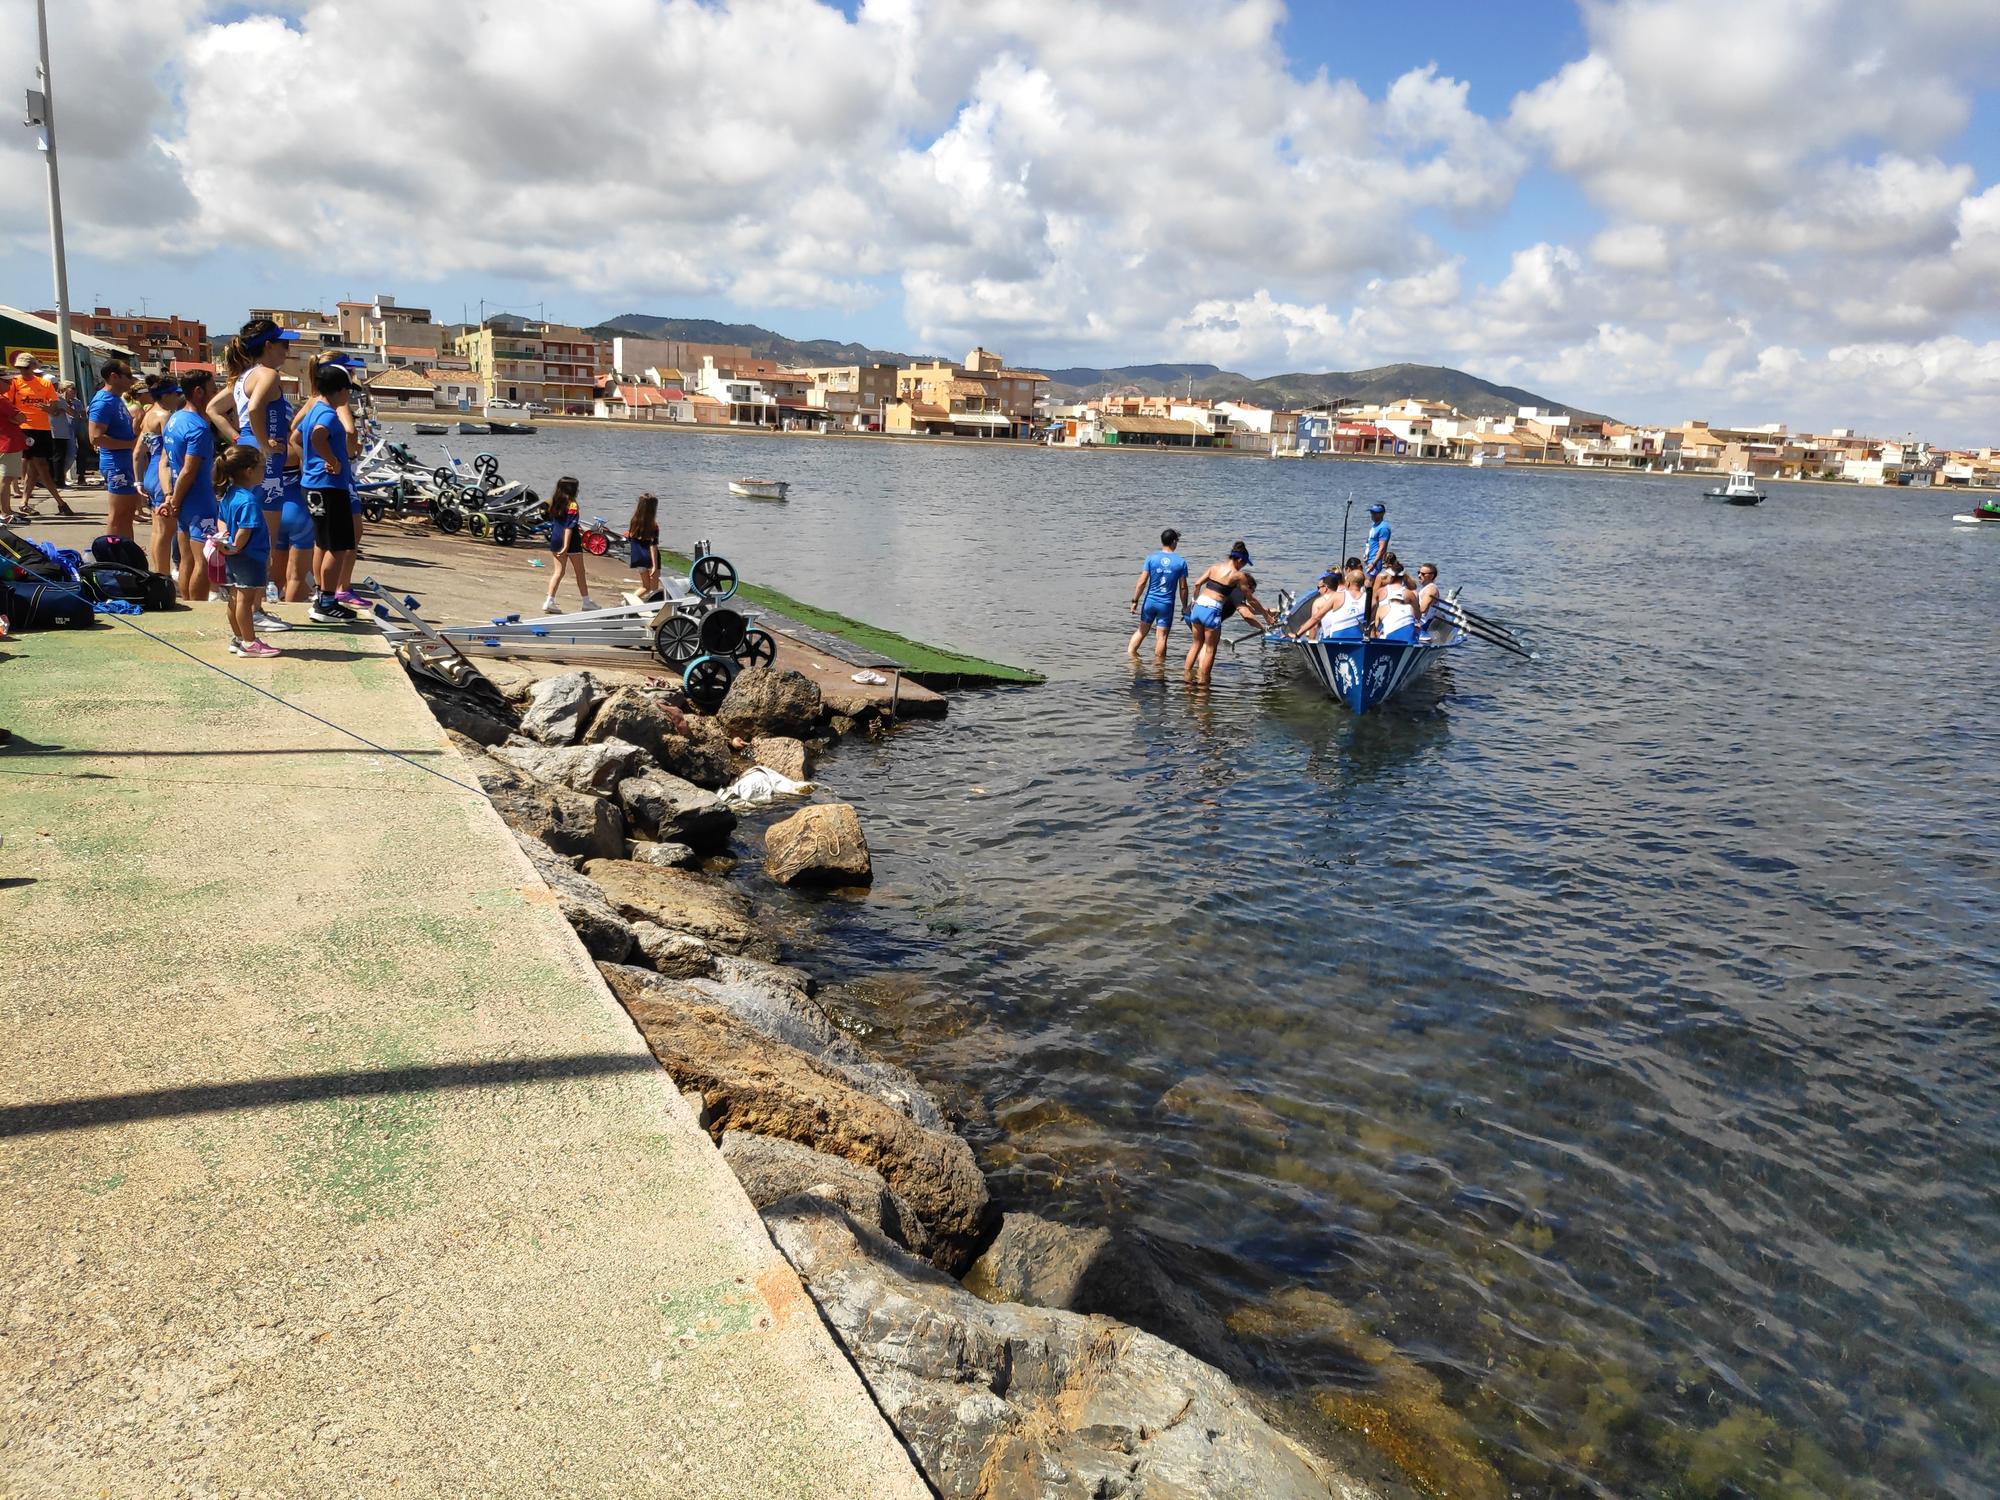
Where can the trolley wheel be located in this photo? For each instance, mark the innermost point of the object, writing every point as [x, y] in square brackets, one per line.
[759, 649]
[448, 517]
[504, 533]
[371, 508]
[722, 632]
[596, 543]
[475, 522]
[713, 578]
[677, 640]
[707, 680]
[446, 480]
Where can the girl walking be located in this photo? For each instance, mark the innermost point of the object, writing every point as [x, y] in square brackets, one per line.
[566, 545]
[642, 532]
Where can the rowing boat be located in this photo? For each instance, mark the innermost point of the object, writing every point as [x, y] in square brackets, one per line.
[758, 489]
[1367, 674]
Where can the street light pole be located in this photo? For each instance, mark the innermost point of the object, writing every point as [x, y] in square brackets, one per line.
[42, 112]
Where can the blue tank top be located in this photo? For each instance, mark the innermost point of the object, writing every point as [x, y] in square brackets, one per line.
[276, 434]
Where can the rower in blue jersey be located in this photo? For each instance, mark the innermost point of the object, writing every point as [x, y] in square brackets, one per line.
[1159, 595]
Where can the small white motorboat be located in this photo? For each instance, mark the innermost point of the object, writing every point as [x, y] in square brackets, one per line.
[1741, 489]
[758, 489]
[1481, 459]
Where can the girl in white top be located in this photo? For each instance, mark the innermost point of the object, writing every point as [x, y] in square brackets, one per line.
[1395, 608]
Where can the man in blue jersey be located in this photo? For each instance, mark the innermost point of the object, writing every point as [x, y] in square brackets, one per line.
[1378, 540]
[110, 433]
[1153, 596]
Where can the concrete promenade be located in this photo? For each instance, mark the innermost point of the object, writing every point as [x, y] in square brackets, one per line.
[327, 1164]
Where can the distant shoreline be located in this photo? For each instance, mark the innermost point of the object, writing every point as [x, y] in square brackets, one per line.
[689, 429]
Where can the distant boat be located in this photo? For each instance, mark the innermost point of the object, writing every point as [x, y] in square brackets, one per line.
[1741, 489]
[510, 429]
[1484, 460]
[759, 489]
[475, 429]
[433, 429]
[1985, 510]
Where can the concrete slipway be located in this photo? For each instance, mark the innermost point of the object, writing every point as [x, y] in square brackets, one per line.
[327, 1164]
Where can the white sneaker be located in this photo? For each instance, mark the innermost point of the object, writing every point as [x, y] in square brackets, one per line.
[271, 594]
[235, 646]
[586, 602]
[550, 607]
[264, 621]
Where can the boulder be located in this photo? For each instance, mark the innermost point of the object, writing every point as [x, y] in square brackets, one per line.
[772, 1170]
[667, 856]
[596, 768]
[782, 754]
[677, 901]
[1020, 1403]
[604, 933]
[637, 717]
[558, 708]
[673, 954]
[705, 760]
[477, 721]
[777, 1002]
[1035, 1260]
[766, 701]
[570, 823]
[677, 811]
[818, 845]
[753, 1083]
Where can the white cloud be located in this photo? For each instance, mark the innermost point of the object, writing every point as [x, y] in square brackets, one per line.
[1784, 204]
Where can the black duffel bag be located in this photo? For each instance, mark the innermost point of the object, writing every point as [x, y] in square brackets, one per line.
[109, 580]
[33, 605]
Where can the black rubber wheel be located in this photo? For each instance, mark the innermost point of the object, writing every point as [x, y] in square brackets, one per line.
[475, 522]
[486, 464]
[448, 517]
[677, 640]
[759, 649]
[713, 578]
[504, 533]
[706, 681]
[445, 478]
[722, 632]
[371, 509]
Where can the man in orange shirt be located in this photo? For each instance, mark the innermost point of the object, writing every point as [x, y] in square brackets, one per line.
[34, 393]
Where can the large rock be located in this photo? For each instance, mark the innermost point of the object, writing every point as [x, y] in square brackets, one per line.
[1017, 1403]
[678, 811]
[478, 719]
[1035, 1260]
[702, 755]
[667, 856]
[780, 753]
[677, 901]
[637, 717]
[753, 1083]
[558, 708]
[765, 701]
[604, 933]
[772, 1170]
[673, 954]
[818, 845]
[776, 1002]
[571, 823]
[595, 768]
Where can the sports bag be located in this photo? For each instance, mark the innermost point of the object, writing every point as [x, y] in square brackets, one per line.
[34, 606]
[109, 580]
[120, 549]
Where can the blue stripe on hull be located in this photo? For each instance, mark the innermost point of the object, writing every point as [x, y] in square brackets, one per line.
[1366, 674]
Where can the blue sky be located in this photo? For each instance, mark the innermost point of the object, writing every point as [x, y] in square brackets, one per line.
[1741, 205]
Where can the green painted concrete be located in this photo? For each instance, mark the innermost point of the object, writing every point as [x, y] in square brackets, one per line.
[329, 1165]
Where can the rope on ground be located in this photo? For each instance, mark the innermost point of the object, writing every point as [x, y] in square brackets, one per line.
[221, 671]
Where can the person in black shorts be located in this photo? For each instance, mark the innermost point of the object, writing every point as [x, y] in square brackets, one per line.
[566, 542]
[327, 477]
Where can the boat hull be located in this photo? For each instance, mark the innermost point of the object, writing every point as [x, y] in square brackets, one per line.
[758, 489]
[1728, 499]
[1366, 674]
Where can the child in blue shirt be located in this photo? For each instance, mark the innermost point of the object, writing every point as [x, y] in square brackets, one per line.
[245, 540]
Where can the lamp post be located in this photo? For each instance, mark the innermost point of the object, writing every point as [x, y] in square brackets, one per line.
[42, 112]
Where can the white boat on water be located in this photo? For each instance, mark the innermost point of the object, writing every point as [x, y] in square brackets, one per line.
[1484, 460]
[759, 489]
[1741, 489]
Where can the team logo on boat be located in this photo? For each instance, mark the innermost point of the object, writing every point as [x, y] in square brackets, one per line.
[1344, 671]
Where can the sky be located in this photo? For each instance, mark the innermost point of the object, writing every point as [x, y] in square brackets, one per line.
[1743, 210]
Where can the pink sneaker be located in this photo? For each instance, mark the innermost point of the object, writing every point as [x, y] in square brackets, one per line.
[258, 648]
[350, 599]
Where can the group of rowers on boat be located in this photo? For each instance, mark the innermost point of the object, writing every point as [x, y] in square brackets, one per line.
[1370, 597]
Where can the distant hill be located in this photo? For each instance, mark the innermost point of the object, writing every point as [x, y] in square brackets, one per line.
[1470, 394]
[761, 342]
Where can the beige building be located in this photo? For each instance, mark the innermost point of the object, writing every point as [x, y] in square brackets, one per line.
[851, 395]
[549, 364]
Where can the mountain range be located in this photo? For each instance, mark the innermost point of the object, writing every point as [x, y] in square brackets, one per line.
[1467, 392]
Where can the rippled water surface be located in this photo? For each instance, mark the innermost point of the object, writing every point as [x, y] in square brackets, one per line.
[1614, 1034]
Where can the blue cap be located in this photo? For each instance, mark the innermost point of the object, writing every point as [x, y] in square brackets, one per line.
[345, 361]
[1240, 554]
[171, 388]
[1375, 509]
[270, 335]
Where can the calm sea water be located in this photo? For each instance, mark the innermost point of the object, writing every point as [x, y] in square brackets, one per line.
[1615, 1033]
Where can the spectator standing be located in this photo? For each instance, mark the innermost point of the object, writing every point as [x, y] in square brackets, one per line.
[327, 476]
[13, 448]
[111, 435]
[34, 395]
[187, 461]
[83, 452]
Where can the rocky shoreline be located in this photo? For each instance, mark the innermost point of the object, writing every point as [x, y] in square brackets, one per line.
[961, 1319]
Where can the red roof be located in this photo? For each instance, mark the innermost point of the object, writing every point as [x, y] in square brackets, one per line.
[649, 395]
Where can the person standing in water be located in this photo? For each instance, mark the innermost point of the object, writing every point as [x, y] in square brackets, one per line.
[1154, 596]
[1224, 586]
